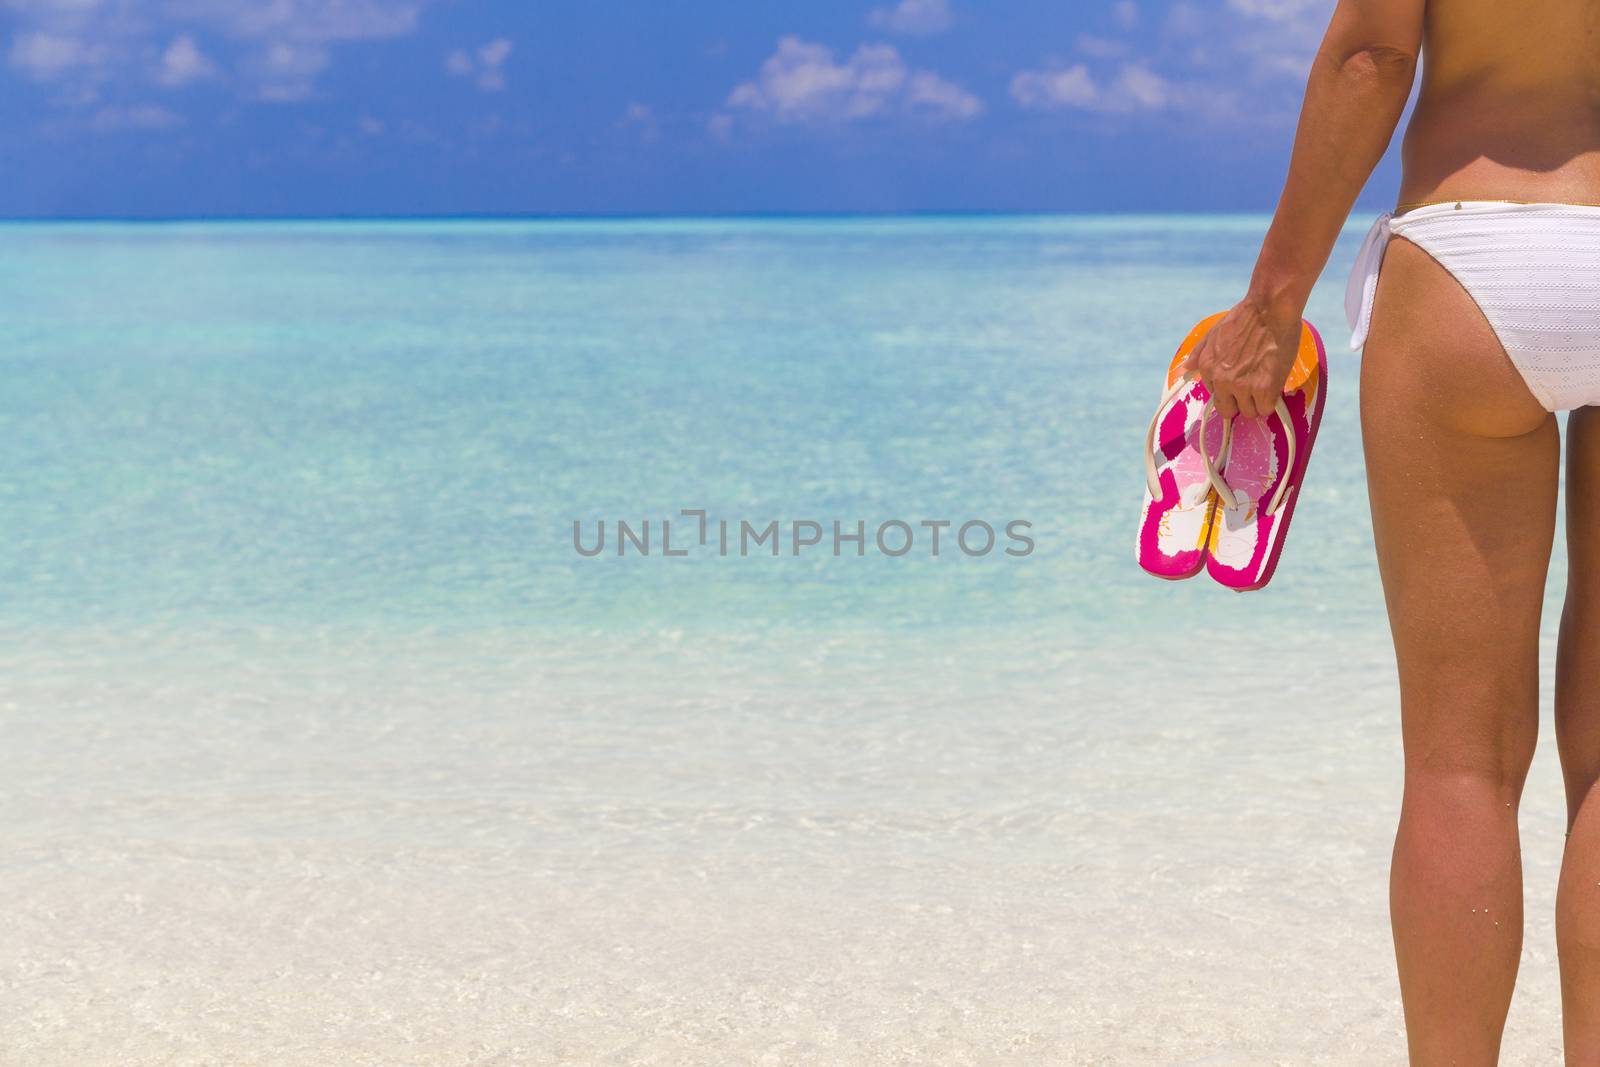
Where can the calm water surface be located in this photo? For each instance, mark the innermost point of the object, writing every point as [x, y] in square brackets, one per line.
[323, 745]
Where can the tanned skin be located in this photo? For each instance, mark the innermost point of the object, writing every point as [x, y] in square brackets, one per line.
[1462, 467]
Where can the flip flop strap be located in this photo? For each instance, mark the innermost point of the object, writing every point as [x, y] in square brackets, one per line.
[1152, 477]
[1151, 474]
[1224, 490]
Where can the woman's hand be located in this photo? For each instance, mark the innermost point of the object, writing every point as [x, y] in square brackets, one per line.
[1245, 359]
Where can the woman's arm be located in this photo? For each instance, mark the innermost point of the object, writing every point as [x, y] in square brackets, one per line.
[1357, 90]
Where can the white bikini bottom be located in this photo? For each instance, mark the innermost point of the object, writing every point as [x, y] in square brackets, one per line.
[1534, 270]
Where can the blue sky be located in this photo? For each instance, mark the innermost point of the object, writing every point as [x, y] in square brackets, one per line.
[405, 107]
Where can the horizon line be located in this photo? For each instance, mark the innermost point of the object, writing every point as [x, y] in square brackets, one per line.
[627, 216]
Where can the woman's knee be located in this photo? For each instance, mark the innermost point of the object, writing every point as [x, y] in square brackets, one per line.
[1577, 704]
[1472, 741]
[1471, 774]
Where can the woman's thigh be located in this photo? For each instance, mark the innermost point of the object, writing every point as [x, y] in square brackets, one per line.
[1583, 531]
[1462, 468]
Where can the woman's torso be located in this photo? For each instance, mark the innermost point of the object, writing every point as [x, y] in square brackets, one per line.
[1510, 103]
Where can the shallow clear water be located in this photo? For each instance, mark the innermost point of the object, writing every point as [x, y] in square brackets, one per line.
[323, 745]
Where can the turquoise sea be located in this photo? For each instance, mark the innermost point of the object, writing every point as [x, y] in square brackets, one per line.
[321, 743]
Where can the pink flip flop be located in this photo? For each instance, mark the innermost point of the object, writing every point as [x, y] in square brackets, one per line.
[1180, 484]
[1260, 477]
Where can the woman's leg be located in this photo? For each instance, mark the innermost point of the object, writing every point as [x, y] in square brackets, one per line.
[1462, 467]
[1578, 738]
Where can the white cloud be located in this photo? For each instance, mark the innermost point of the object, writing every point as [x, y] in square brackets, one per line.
[137, 117]
[485, 65]
[913, 16]
[1275, 9]
[1211, 55]
[285, 72]
[48, 56]
[182, 63]
[1141, 89]
[1134, 88]
[317, 21]
[279, 46]
[495, 52]
[1044, 89]
[802, 82]
[1185, 19]
[1103, 47]
[930, 94]
[1274, 39]
[641, 118]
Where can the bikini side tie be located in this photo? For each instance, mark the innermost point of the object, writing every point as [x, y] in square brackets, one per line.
[1363, 288]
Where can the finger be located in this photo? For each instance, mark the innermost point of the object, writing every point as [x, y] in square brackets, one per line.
[1247, 406]
[1267, 402]
[1226, 407]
